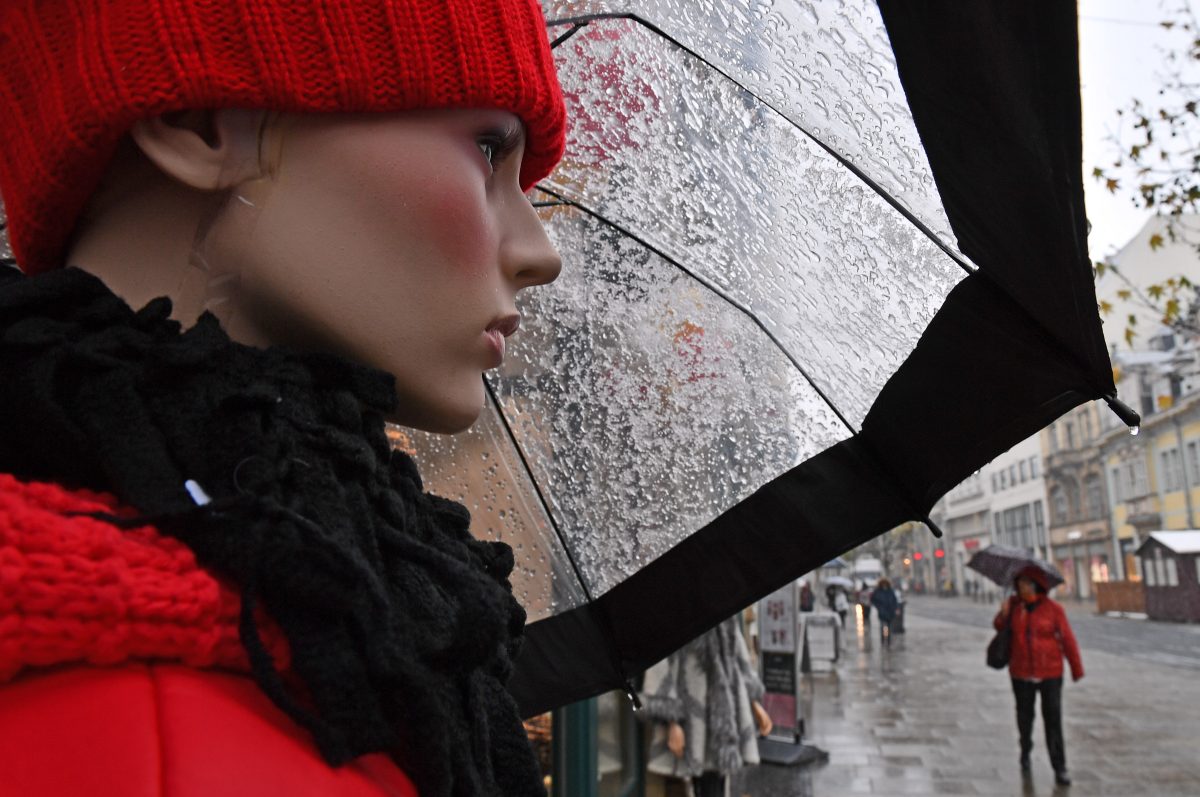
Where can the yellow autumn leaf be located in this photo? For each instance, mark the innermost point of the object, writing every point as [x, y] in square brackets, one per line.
[1156, 241]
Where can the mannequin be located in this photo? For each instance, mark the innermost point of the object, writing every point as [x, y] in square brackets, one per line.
[251, 231]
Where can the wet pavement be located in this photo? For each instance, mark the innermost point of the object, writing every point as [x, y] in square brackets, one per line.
[927, 717]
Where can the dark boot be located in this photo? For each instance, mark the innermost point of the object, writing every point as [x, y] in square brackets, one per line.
[1061, 778]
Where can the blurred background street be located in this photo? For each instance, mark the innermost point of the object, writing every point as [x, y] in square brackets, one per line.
[928, 717]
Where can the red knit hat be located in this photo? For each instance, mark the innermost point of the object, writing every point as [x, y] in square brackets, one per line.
[76, 74]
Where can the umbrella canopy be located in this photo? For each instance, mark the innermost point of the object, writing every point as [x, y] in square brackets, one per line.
[839, 581]
[823, 261]
[1003, 564]
[836, 563]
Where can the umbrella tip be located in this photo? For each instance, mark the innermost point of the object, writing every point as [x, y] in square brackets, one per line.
[631, 693]
[1124, 412]
[933, 527]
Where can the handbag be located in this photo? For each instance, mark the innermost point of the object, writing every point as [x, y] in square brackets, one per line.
[999, 650]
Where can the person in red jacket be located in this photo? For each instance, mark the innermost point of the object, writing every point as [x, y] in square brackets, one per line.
[247, 233]
[1041, 637]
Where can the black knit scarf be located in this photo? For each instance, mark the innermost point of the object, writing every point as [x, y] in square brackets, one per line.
[402, 626]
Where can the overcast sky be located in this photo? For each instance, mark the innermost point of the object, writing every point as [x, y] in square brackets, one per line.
[1118, 60]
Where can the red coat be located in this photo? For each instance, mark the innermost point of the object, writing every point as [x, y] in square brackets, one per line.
[121, 673]
[1040, 639]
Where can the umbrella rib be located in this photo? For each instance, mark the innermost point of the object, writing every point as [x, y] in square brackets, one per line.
[581, 21]
[716, 289]
[587, 593]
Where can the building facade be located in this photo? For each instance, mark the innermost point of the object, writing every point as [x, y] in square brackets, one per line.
[1077, 501]
[1153, 478]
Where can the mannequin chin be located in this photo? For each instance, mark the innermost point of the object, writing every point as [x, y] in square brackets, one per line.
[399, 240]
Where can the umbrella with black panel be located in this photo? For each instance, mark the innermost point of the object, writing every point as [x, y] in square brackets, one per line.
[823, 260]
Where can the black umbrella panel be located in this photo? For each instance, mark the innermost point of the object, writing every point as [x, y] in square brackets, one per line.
[764, 348]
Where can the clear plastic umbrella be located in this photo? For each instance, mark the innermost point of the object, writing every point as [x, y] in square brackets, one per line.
[822, 261]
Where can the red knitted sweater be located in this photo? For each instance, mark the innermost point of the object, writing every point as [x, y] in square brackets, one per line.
[78, 590]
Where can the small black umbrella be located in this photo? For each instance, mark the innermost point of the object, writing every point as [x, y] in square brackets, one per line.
[1002, 564]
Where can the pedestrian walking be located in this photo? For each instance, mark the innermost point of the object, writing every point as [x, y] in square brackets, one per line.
[703, 705]
[1040, 637]
[864, 602]
[884, 599]
[807, 599]
[286, 222]
[841, 604]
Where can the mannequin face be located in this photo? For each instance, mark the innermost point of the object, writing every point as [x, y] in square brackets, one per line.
[399, 240]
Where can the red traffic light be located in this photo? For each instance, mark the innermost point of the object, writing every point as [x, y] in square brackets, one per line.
[918, 556]
[939, 553]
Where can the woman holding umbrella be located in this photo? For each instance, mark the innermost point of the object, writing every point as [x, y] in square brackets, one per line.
[1041, 636]
[250, 231]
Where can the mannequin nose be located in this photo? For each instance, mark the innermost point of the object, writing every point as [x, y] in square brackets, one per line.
[527, 255]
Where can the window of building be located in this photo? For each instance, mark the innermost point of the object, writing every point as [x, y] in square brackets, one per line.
[1141, 484]
[995, 485]
[1196, 559]
[1012, 474]
[1033, 467]
[1193, 458]
[1004, 479]
[1148, 572]
[1094, 497]
[1053, 438]
[1085, 423]
[1172, 572]
[1172, 479]
[1118, 490]
[1039, 524]
[1021, 471]
[1069, 430]
[1058, 500]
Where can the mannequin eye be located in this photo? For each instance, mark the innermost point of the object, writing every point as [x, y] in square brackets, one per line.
[496, 145]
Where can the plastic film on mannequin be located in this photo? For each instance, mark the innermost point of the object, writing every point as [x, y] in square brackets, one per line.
[253, 141]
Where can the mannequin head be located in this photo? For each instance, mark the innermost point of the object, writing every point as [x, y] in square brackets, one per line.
[399, 239]
[368, 204]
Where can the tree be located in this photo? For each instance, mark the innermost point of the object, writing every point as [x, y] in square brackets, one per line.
[1157, 153]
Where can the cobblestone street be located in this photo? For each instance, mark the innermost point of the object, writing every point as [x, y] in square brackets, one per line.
[927, 717]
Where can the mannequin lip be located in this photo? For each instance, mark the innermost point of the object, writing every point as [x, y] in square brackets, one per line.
[505, 325]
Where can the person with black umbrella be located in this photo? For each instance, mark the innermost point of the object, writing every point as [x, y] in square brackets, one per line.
[1040, 637]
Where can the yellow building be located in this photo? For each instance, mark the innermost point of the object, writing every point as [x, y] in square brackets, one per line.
[1154, 477]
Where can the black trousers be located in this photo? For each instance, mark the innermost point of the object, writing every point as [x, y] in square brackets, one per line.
[1051, 690]
[709, 784]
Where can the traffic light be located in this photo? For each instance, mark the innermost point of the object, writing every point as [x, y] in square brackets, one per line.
[918, 556]
[939, 553]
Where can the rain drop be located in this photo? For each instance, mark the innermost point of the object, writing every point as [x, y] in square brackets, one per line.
[1135, 430]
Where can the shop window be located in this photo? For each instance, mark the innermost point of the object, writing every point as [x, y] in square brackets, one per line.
[1171, 572]
[1148, 572]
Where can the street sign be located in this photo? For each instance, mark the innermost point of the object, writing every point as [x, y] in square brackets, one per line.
[779, 660]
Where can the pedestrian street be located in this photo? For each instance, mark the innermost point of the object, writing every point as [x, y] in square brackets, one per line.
[927, 717]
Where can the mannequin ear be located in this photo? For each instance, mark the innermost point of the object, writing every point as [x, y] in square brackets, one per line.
[207, 150]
